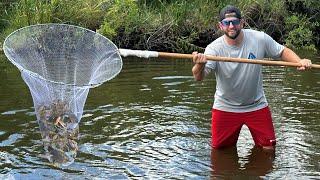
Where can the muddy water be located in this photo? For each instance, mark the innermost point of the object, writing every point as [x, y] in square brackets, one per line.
[153, 122]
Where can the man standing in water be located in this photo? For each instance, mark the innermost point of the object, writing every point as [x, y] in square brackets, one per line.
[239, 98]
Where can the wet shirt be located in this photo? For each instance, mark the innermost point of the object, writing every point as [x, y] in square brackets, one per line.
[239, 85]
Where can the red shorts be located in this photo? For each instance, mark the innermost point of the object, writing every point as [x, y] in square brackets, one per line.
[226, 127]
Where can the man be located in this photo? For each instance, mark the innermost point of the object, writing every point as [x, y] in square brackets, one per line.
[239, 98]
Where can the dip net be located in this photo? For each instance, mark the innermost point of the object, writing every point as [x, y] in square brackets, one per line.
[60, 63]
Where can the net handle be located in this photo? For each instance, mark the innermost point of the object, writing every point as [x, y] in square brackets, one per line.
[150, 54]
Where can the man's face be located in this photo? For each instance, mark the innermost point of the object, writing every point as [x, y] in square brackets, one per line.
[231, 27]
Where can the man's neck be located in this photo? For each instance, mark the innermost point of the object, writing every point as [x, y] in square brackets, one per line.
[234, 42]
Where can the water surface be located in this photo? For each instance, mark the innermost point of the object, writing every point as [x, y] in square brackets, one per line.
[153, 122]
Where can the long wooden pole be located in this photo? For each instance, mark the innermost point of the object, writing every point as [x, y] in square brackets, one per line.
[239, 60]
[148, 54]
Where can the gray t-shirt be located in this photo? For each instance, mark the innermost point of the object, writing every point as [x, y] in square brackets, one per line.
[239, 85]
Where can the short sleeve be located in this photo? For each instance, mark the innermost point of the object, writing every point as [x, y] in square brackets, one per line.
[210, 65]
[273, 48]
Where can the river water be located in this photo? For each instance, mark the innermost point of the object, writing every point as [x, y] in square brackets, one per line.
[153, 122]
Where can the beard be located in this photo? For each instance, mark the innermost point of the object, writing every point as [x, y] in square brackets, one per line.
[234, 36]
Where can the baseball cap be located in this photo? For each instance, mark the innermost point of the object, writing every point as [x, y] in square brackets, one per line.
[232, 11]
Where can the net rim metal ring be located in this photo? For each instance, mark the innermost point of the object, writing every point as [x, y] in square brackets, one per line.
[85, 86]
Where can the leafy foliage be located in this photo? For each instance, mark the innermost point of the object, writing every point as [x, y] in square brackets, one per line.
[168, 24]
[300, 34]
[122, 13]
[88, 13]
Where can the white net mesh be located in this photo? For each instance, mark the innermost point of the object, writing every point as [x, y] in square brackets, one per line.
[59, 63]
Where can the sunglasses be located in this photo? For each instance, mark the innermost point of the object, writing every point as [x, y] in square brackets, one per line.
[234, 22]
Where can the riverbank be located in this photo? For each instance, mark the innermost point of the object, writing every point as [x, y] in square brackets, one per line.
[175, 26]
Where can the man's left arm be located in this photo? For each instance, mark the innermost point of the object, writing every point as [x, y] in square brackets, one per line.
[290, 56]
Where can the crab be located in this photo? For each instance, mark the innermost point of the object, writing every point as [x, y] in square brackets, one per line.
[59, 121]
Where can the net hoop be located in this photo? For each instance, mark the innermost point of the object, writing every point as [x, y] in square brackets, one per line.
[21, 68]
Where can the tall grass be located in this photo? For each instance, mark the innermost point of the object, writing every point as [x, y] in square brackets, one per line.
[157, 25]
[86, 13]
[132, 22]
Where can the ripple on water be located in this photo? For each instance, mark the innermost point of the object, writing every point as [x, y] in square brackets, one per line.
[173, 77]
[165, 134]
[12, 112]
[157, 142]
[12, 139]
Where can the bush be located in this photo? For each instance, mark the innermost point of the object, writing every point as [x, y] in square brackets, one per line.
[169, 24]
[300, 33]
[122, 14]
[86, 13]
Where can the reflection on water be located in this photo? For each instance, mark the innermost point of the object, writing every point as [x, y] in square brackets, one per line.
[153, 121]
[227, 163]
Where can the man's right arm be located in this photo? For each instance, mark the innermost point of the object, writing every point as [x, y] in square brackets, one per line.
[199, 61]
